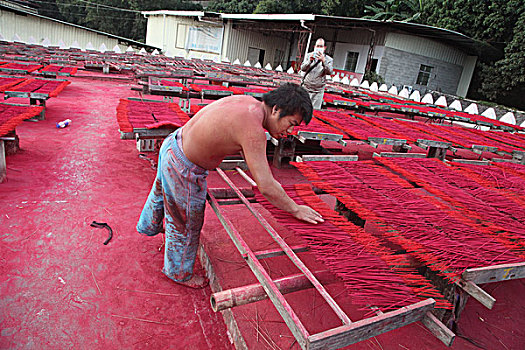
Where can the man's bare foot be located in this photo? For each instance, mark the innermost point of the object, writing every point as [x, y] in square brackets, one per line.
[196, 282]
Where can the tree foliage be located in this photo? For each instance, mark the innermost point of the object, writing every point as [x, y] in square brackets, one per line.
[110, 15]
[395, 10]
[500, 23]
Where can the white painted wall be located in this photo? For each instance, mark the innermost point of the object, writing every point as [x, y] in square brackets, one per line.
[342, 49]
[425, 47]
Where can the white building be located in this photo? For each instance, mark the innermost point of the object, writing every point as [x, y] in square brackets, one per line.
[415, 55]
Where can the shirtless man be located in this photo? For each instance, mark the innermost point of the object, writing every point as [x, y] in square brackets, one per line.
[228, 126]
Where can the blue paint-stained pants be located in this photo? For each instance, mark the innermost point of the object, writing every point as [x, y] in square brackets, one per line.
[179, 195]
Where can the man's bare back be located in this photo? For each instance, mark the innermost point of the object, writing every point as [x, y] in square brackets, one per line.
[218, 129]
[238, 123]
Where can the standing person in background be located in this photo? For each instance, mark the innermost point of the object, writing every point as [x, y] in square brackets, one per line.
[316, 66]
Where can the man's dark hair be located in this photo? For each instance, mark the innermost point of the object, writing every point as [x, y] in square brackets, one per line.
[290, 99]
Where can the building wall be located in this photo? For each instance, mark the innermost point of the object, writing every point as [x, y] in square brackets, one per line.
[41, 28]
[170, 34]
[239, 40]
[424, 47]
[402, 68]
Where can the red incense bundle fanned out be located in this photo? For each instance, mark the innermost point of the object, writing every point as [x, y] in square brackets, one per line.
[316, 126]
[505, 137]
[140, 115]
[42, 86]
[11, 116]
[165, 82]
[468, 196]
[201, 87]
[238, 90]
[490, 176]
[8, 82]
[20, 66]
[372, 274]
[355, 128]
[516, 169]
[419, 223]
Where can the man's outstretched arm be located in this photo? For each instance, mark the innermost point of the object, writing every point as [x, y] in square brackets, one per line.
[255, 156]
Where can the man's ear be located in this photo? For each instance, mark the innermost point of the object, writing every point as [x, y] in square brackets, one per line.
[275, 110]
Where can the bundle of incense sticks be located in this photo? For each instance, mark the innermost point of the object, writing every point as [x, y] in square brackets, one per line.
[496, 178]
[355, 128]
[433, 232]
[7, 82]
[371, 273]
[468, 196]
[26, 67]
[11, 116]
[43, 86]
[140, 114]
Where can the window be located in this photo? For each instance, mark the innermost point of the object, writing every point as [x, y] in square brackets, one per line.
[351, 61]
[373, 67]
[424, 75]
[182, 30]
[278, 58]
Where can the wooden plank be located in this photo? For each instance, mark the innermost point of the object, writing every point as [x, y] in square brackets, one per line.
[481, 148]
[230, 164]
[326, 158]
[471, 161]
[291, 255]
[245, 176]
[263, 254]
[386, 141]
[432, 143]
[278, 300]
[495, 273]
[308, 135]
[3, 165]
[477, 293]
[401, 155]
[342, 336]
[437, 328]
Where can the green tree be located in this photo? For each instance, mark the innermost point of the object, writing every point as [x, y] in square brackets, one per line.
[499, 23]
[111, 16]
[232, 6]
[395, 10]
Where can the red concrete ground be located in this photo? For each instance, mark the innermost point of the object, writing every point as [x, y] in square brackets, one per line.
[62, 288]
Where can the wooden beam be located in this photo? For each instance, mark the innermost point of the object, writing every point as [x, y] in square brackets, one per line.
[326, 158]
[437, 328]
[477, 293]
[285, 310]
[342, 336]
[254, 292]
[471, 161]
[270, 253]
[289, 252]
[495, 273]
[3, 165]
[399, 155]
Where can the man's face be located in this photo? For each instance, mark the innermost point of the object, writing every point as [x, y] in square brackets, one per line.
[281, 127]
[319, 46]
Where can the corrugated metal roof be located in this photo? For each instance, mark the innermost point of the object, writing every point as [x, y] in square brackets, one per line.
[468, 44]
[269, 17]
[174, 13]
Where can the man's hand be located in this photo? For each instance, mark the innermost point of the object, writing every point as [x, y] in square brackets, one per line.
[320, 57]
[307, 214]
